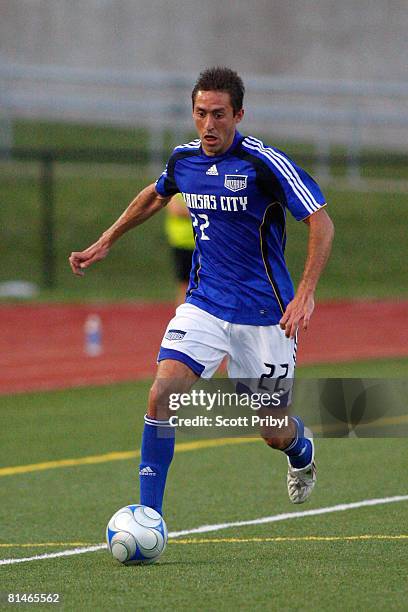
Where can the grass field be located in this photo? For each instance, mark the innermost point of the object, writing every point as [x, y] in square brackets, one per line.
[353, 559]
[140, 267]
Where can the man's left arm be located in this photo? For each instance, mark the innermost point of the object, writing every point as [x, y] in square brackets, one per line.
[321, 232]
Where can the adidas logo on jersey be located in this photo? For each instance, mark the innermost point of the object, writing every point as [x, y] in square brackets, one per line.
[212, 171]
[147, 471]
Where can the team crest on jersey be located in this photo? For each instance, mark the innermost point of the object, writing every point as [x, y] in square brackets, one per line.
[235, 182]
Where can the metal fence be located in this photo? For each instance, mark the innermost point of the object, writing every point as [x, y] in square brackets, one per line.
[355, 115]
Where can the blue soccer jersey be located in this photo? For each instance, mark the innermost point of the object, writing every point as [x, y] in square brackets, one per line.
[238, 202]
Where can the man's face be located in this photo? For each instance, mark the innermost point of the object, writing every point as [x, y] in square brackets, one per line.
[215, 121]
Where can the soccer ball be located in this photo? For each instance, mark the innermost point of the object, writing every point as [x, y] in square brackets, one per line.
[136, 534]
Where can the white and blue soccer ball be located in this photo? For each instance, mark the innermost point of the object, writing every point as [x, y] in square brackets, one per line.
[136, 534]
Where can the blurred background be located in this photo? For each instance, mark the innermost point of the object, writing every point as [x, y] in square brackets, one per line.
[94, 95]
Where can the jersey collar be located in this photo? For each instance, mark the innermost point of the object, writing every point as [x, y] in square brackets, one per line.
[238, 138]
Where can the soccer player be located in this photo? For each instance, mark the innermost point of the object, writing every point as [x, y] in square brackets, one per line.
[240, 301]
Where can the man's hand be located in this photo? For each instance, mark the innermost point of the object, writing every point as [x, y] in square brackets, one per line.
[147, 203]
[301, 307]
[321, 233]
[81, 260]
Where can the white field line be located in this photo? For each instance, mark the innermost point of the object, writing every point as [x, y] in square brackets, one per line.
[62, 553]
[220, 526]
[291, 515]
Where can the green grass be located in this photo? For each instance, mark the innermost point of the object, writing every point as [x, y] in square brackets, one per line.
[372, 368]
[138, 268]
[365, 262]
[367, 249]
[49, 134]
[367, 253]
[205, 486]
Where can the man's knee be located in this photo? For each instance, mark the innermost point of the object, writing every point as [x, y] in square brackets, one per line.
[279, 438]
[172, 377]
[278, 442]
[158, 404]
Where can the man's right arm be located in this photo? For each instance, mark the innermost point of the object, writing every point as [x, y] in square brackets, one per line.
[145, 205]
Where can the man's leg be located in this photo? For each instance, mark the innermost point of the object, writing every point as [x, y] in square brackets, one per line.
[193, 345]
[299, 450]
[296, 446]
[158, 435]
[266, 358]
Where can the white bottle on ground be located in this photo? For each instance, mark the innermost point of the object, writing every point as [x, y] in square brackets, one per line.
[93, 335]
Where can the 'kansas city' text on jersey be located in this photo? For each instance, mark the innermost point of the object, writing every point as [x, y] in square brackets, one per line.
[237, 202]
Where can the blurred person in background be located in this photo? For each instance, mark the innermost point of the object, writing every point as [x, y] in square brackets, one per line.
[181, 240]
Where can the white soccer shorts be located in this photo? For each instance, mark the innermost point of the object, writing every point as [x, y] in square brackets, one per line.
[201, 341]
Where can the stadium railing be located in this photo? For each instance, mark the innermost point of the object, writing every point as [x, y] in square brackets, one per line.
[328, 113]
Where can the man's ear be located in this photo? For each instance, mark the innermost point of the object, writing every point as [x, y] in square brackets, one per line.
[239, 115]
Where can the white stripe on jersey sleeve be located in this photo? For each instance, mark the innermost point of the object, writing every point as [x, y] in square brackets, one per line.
[287, 170]
[194, 144]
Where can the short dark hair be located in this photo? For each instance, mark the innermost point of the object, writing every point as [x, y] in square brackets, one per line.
[220, 78]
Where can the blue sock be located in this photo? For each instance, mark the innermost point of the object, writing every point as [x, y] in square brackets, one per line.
[157, 452]
[299, 450]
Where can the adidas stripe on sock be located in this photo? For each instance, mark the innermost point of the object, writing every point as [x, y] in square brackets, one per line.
[157, 452]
